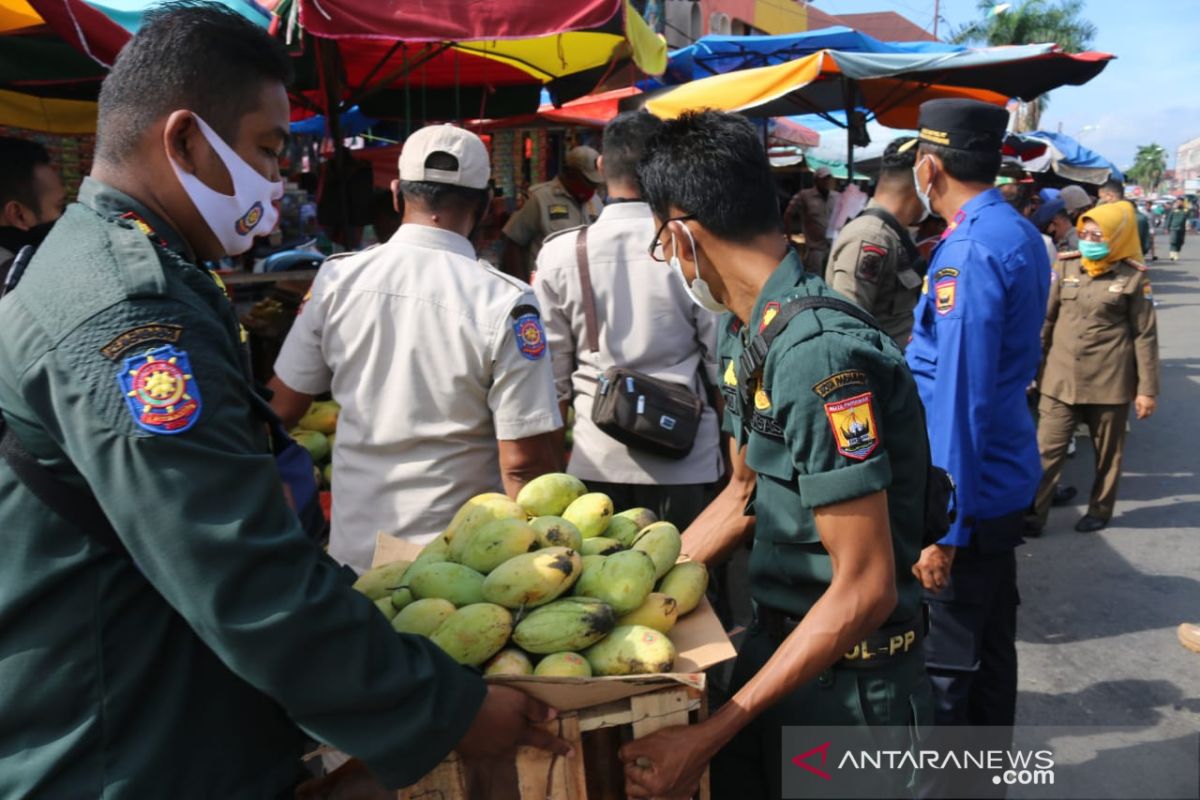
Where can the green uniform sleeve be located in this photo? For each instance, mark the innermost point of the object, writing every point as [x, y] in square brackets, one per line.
[203, 516]
[830, 395]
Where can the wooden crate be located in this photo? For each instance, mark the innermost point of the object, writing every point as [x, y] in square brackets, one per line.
[592, 772]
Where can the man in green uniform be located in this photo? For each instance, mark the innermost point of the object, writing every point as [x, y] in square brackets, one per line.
[1177, 221]
[185, 639]
[830, 451]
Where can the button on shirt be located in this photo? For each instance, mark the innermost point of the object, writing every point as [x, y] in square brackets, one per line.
[975, 348]
[646, 323]
[433, 357]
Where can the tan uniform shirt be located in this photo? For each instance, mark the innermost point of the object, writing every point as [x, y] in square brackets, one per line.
[646, 322]
[1100, 336]
[869, 265]
[434, 356]
[548, 209]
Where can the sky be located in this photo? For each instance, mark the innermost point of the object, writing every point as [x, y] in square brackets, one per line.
[1149, 94]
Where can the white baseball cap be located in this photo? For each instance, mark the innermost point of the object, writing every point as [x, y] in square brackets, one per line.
[474, 168]
[823, 172]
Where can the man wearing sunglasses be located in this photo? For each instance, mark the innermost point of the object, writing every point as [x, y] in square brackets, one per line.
[829, 455]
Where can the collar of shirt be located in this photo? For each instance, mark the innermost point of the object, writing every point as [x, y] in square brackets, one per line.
[433, 238]
[632, 209]
[113, 203]
[789, 273]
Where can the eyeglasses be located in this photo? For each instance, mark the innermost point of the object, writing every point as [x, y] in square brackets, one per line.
[656, 247]
[1091, 236]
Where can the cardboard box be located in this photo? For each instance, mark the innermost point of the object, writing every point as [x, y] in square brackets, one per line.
[699, 639]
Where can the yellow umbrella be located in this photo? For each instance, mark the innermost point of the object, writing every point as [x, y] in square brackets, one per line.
[48, 115]
[17, 14]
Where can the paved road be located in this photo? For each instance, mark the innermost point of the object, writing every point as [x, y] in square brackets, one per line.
[1097, 639]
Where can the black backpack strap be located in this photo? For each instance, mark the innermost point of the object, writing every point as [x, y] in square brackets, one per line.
[910, 248]
[76, 506]
[755, 354]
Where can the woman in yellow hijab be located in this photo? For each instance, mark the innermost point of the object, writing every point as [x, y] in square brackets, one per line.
[1101, 345]
[1108, 235]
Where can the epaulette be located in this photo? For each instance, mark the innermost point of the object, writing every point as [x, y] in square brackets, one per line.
[138, 261]
[557, 234]
[1071, 254]
[504, 276]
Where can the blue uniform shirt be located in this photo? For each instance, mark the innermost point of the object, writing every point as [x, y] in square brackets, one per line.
[975, 348]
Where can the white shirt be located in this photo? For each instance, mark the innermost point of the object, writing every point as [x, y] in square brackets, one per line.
[418, 342]
[647, 322]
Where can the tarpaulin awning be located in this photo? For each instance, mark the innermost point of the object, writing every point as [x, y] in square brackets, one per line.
[716, 55]
[1065, 157]
[792, 132]
[17, 14]
[891, 86]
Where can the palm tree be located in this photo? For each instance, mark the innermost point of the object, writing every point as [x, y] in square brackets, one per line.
[1029, 22]
[1148, 166]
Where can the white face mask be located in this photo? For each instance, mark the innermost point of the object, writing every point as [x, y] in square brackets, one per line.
[698, 290]
[922, 194]
[234, 219]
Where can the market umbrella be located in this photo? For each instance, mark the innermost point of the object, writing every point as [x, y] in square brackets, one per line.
[887, 86]
[1045, 151]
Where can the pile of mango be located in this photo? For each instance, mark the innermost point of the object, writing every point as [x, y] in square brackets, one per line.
[316, 432]
[552, 584]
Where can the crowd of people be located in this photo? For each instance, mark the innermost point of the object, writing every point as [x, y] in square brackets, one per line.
[157, 572]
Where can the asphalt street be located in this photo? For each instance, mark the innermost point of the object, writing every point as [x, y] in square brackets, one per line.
[1096, 628]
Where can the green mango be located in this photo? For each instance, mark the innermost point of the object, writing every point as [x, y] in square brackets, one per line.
[660, 541]
[384, 604]
[571, 623]
[631, 650]
[474, 633]
[549, 495]
[494, 543]
[623, 581]
[509, 661]
[686, 582]
[383, 580]
[600, 546]
[459, 584]
[532, 579]
[423, 617]
[590, 513]
[557, 532]
[564, 665]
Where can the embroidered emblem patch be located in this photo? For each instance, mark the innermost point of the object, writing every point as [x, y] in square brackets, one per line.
[853, 424]
[762, 400]
[1147, 292]
[769, 313]
[159, 333]
[531, 337]
[945, 294]
[850, 377]
[730, 378]
[870, 262]
[160, 391]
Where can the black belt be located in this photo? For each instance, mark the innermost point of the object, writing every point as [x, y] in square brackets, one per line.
[884, 646]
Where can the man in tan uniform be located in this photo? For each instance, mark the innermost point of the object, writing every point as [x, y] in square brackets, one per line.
[1101, 345]
[812, 207]
[875, 262]
[568, 201]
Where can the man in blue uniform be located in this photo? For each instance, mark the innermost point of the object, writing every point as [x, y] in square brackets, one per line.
[975, 349]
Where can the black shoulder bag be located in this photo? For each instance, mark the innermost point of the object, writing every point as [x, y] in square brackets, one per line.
[941, 496]
[640, 411]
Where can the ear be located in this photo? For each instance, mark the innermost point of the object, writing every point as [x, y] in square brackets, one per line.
[683, 242]
[396, 196]
[600, 164]
[179, 132]
[13, 215]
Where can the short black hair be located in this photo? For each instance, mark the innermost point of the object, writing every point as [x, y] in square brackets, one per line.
[1113, 185]
[712, 165]
[899, 158]
[442, 196]
[192, 55]
[625, 140]
[968, 166]
[18, 157]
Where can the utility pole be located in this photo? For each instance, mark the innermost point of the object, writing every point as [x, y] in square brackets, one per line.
[937, 12]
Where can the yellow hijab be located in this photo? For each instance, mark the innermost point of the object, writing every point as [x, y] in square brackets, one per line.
[1119, 225]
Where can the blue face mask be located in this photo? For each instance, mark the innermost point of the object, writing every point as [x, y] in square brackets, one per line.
[1093, 251]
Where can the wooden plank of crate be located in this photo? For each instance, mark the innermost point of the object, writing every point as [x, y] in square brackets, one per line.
[705, 779]
[652, 712]
[546, 776]
[444, 783]
[610, 715]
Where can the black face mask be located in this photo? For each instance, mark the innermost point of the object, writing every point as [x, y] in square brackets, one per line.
[13, 239]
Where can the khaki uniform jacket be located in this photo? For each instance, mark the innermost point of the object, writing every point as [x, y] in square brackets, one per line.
[869, 266]
[814, 211]
[1100, 338]
[550, 208]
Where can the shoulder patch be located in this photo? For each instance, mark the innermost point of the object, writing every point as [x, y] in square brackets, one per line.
[158, 332]
[1147, 292]
[530, 336]
[853, 424]
[870, 262]
[769, 312]
[945, 290]
[160, 392]
[839, 380]
[730, 376]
